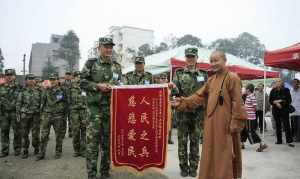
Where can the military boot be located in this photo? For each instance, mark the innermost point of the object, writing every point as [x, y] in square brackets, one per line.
[17, 152]
[36, 151]
[40, 156]
[2, 155]
[57, 155]
[25, 154]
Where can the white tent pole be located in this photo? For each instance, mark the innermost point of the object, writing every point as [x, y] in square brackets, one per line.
[264, 105]
[171, 70]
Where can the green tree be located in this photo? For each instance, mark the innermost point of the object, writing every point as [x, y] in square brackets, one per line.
[189, 40]
[145, 50]
[162, 47]
[48, 69]
[1, 61]
[69, 50]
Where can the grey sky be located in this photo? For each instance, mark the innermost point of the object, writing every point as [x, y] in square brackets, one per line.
[23, 22]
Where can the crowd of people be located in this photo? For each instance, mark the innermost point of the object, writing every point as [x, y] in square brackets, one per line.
[81, 101]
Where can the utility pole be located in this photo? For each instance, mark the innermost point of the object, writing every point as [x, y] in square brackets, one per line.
[24, 60]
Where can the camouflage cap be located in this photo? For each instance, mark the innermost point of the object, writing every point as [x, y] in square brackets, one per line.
[163, 75]
[191, 51]
[38, 79]
[10, 72]
[30, 76]
[106, 41]
[68, 73]
[76, 73]
[139, 59]
[53, 76]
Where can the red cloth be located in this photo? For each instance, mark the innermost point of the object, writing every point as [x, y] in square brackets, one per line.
[139, 127]
[288, 58]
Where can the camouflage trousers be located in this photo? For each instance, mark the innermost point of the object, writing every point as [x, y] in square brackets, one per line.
[188, 128]
[57, 121]
[10, 120]
[98, 133]
[67, 124]
[30, 122]
[78, 118]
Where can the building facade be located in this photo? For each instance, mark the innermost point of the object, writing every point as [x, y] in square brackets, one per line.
[42, 53]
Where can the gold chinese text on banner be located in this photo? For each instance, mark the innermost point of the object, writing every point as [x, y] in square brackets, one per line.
[139, 127]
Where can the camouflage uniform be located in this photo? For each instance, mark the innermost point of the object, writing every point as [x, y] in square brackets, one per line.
[136, 78]
[189, 123]
[67, 88]
[54, 103]
[78, 115]
[28, 110]
[98, 125]
[8, 103]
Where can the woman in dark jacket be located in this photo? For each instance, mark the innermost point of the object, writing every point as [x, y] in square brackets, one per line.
[280, 99]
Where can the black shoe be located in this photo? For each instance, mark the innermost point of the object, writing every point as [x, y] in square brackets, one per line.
[17, 153]
[278, 143]
[36, 151]
[82, 154]
[70, 135]
[25, 154]
[2, 155]
[170, 142]
[291, 145]
[57, 155]
[105, 175]
[92, 177]
[76, 154]
[184, 173]
[192, 173]
[40, 157]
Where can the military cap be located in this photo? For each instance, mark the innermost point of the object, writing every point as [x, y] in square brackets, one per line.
[10, 72]
[68, 73]
[139, 59]
[53, 76]
[30, 76]
[76, 73]
[38, 79]
[163, 75]
[191, 51]
[106, 41]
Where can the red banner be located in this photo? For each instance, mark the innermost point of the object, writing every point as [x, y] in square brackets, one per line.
[139, 126]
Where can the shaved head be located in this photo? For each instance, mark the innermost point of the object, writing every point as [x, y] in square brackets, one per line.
[218, 61]
[218, 54]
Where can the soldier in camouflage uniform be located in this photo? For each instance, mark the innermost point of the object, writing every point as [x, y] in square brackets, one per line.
[28, 110]
[53, 108]
[139, 76]
[78, 115]
[188, 80]
[98, 75]
[67, 88]
[8, 103]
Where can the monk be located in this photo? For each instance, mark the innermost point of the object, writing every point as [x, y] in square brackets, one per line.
[225, 118]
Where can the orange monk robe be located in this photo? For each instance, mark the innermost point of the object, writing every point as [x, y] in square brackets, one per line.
[221, 152]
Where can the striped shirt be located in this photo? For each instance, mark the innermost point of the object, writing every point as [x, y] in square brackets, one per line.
[250, 105]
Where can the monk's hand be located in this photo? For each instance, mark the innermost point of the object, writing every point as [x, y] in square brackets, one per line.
[236, 126]
[176, 102]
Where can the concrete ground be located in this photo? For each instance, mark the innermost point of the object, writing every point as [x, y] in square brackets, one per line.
[278, 162]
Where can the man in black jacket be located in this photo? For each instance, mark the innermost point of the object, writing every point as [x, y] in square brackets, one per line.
[280, 99]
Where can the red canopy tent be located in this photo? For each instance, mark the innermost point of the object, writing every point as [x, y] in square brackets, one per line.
[243, 72]
[288, 58]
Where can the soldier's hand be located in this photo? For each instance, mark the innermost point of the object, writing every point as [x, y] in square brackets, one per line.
[18, 118]
[103, 87]
[171, 85]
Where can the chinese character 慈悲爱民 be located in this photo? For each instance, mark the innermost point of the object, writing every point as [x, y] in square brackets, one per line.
[130, 151]
[131, 101]
[131, 118]
[131, 135]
